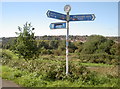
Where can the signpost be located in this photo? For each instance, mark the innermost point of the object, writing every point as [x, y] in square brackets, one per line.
[59, 25]
[68, 18]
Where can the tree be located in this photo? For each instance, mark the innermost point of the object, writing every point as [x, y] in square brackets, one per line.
[43, 44]
[97, 44]
[72, 47]
[115, 50]
[79, 46]
[105, 46]
[53, 44]
[26, 45]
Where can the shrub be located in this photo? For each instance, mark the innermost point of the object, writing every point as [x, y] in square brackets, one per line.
[57, 72]
[6, 57]
[46, 51]
[97, 58]
[57, 52]
[6, 54]
[82, 78]
[115, 61]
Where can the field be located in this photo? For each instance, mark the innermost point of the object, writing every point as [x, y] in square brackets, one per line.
[49, 71]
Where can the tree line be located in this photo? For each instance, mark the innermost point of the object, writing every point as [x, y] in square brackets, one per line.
[26, 46]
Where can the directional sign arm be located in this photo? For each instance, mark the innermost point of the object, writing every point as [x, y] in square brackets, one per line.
[81, 17]
[84, 17]
[55, 15]
[60, 25]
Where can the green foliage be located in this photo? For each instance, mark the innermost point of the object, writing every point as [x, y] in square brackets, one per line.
[43, 44]
[79, 46]
[51, 47]
[97, 44]
[44, 51]
[105, 47]
[27, 79]
[115, 50]
[95, 65]
[53, 44]
[72, 47]
[98, 49]
[11, 74]
[30, 80]
[26, 45]
[51, 73]
[10, 44]
[7, 56]
[101, 49]
[98, 58]
[58, 52]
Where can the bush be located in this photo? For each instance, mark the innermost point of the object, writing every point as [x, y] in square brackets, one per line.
[55, 77]
[57, 72]
[44, 51]
[97, 44]
[6, 54]
[57, 52]
[97, 58]
[115, 61]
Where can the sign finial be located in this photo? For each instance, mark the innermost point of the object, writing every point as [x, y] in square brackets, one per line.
[67, 8]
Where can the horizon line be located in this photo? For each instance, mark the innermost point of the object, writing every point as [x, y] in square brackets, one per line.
[64, 35]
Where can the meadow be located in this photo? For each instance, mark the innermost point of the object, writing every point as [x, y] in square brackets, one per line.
[49, 71]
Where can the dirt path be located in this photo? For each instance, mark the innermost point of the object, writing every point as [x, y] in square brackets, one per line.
[7, 83]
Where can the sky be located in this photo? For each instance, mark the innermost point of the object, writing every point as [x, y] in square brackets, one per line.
[16, 14]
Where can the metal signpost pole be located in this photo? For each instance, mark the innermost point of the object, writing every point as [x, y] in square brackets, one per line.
[67, 9]
[67, 43]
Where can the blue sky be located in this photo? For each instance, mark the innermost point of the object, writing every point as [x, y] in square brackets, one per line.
[16, 14]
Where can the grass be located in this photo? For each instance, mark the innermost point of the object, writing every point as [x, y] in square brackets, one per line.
[57, 58]
[96, 65]
[36, 79]
[10, 53]
[62, 58]
[26, 79]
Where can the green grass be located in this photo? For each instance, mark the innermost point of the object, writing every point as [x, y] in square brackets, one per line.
[10, 53]
[56, 59]
[20, 73]
[96, 64]
[27, 79]
[59, 59]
